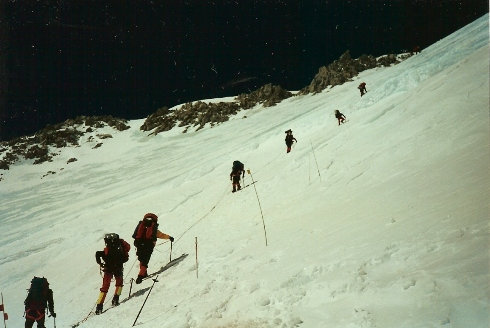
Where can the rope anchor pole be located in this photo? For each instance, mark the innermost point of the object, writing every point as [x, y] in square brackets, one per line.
[260, 206]
[314, 156]
[197, 263]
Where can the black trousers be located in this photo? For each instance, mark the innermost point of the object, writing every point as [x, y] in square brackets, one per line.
[144, 254]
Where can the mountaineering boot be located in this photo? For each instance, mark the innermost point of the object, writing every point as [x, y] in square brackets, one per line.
[141, 277]
[142, 274]
[117, 293]
[100, 302]
[115, 300]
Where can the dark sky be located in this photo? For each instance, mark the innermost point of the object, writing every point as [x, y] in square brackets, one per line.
[61, 58]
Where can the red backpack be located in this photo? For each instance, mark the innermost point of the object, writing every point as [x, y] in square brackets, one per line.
[147, 228]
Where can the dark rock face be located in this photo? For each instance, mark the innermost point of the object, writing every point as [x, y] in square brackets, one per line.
[162, 120]
[268, 95]
[68, 133]
[200, 113]
[344, 69]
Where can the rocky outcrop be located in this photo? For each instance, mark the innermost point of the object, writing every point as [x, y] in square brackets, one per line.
[190, 114]
[41, 147]
[161, 120]
[268, 95]
[389, 60]
[344, 69]
[199, 113]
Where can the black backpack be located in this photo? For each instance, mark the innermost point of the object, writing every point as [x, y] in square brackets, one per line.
[37, 296]
[115, 250]
[238, 166]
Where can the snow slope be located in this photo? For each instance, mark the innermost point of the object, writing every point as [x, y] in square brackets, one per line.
[381, 222]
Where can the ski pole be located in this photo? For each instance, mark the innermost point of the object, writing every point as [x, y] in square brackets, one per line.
[260, 207]
[154, 281]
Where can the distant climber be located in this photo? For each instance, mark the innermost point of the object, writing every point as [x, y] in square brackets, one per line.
[145, 237]
[339, 116]
[237, 172]
[111, 260]
[289, 140]
[39, 297]
[362, 88]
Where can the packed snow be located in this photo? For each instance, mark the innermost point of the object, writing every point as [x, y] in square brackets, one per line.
[379, 222]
